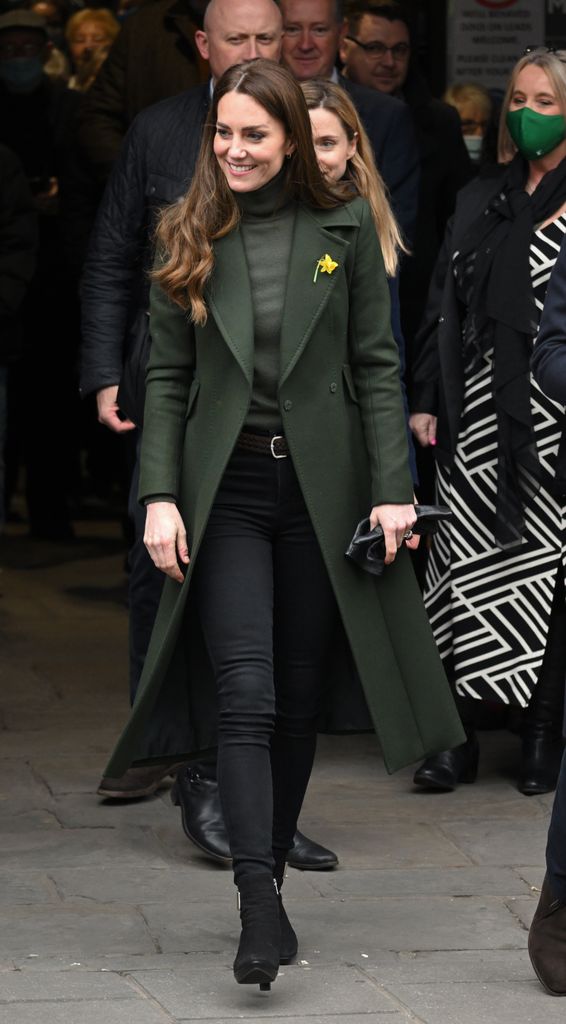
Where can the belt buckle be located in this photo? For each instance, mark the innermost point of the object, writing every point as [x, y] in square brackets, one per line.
[276, 437]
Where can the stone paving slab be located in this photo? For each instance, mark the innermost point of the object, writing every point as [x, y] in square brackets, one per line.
[385, 800]
[55, 848]
[481, 966]
[91, 1012]
[21, 887]
[499, 842]
[73, 931]
[66, 775]
[209, 994]
[456, 1003]
[345, 930]
[462, 881]
[68, 985]
[82, 810]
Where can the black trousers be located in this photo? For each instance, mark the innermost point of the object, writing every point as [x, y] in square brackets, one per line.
[267, 611]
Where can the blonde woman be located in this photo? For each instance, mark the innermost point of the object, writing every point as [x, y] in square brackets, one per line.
[89, 34]
[344, 154]
[495, 580]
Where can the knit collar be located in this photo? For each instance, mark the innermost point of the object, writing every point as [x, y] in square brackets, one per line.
[265, 201]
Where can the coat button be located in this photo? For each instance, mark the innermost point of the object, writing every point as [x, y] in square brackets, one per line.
[333, 388]
[287, 405]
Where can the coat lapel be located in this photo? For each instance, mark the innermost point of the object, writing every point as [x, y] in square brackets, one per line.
[229, 299]
[306, 298]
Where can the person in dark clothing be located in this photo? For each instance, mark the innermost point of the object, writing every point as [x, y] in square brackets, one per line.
[378, 52]
[35, 124]
[18, 247]
[155, 56]
[547, 935]
[494, 586]
[154, 169]
[312, 32]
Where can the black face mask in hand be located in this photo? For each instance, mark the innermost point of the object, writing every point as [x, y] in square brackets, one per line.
[367, 547]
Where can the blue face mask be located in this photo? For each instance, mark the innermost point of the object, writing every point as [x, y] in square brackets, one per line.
[21, 74]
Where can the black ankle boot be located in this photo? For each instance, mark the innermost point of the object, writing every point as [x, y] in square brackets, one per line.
[445, 770]
[542, 727]
[257, 959]
[540, 766]
[289, 942]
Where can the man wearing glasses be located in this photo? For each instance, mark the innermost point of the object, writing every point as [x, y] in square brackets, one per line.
[377, 51]
[312, 31]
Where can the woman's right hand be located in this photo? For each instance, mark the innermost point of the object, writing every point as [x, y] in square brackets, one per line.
[423, 426]
[165, 538]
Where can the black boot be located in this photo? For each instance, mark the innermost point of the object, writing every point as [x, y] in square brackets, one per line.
[542, 730]
[444, 771]
[289, 942]
[258, 956]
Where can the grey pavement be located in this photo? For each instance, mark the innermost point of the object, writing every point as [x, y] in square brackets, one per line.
[108, 915]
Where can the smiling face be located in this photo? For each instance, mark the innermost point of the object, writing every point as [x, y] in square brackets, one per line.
[332, 146]
[311, 35]
[249, 144]
[533, 89]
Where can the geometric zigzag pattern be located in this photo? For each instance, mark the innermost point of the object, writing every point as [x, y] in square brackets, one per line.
[490, 609]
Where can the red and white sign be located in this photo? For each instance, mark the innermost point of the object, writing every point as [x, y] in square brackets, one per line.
[486, 37]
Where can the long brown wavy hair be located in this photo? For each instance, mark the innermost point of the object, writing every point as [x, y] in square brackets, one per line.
[187, 230]
[361, 170]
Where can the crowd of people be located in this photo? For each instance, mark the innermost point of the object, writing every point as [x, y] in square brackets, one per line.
[301, 290]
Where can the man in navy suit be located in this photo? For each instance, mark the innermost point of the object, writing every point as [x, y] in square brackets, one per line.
[312, 32]
[547, 936]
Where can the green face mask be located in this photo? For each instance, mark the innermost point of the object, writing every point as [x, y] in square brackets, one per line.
[535, 134]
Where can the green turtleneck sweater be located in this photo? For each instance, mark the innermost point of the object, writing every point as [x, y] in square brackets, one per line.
[268, 218]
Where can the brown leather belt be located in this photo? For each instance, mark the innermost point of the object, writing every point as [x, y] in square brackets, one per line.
[261, 444]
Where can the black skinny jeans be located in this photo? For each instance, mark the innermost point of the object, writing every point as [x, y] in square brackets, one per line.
[267, 611]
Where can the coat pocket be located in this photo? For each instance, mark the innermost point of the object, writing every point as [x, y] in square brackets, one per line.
[193, 392]
[350, 386]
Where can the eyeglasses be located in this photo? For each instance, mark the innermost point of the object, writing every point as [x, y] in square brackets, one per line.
[561, 54]
[378, 50]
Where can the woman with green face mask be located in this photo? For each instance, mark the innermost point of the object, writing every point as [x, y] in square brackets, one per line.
[495, 578]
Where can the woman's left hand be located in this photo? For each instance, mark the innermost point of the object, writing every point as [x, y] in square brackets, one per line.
[396, 521]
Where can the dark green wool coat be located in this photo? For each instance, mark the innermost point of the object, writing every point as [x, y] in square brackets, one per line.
[342, 414]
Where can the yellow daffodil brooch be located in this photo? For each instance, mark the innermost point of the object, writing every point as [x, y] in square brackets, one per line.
[326, 265]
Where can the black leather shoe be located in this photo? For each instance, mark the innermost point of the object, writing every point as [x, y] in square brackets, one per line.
[542, 757]
[444, 771]
[306, 855]
[201, 813]
[547, 942]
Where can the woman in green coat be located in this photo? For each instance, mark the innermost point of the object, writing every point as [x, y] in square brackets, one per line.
[273, 423]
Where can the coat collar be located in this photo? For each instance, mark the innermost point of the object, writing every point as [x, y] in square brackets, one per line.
[229, 298]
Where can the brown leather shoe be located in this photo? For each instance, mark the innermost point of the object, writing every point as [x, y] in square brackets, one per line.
[137, 782]
[547, 942]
